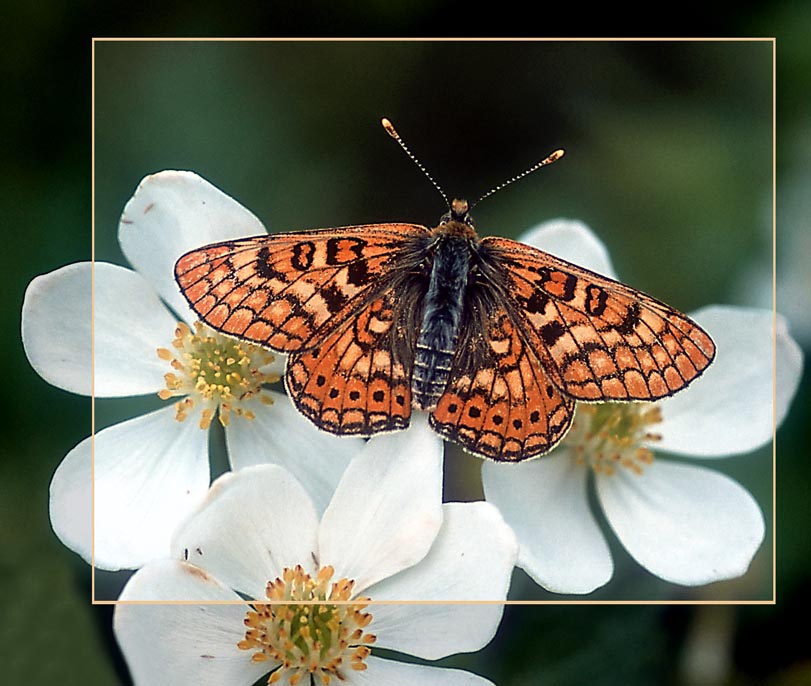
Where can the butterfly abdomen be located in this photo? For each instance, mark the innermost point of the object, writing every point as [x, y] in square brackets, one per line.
[441, 320]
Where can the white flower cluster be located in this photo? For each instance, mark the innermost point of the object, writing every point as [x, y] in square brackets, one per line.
[354, 525]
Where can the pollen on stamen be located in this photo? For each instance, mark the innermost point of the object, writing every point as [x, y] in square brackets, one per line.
[303, 640]
[608, 436]
[217, 374]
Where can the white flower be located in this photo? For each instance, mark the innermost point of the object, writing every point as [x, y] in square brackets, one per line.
[684, 523]
[385, 536]
[152, 470]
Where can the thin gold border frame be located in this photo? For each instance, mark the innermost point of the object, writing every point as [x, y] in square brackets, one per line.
[585, 601]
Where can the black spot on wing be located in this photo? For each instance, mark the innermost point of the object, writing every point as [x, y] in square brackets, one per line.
[630, 321]
[303, 254]
[551, 332]
[537, 302]
[341, 249]
[596, 299]
[334, 298]
[560, 284]
[265, 268]
[358, 274]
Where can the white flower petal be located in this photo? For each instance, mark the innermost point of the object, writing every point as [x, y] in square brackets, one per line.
[281, 435]
[172, 644]
[789, 369]
[546, 504]
[387, 509]
[277, 366]
[472, 559]
[71, 501]
[382, 672]
[729, 409]
[686, 524]
[573, 241]
[171, 213]
[130, 324]
[149, 473]
[252, 525]
[162, 581]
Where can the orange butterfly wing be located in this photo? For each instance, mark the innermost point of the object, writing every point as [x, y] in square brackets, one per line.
[358, 380]
[289, 291]
[499, 402]
[598, 339]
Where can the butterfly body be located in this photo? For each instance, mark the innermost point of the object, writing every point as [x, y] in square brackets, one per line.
[451, 251]
[494, 338]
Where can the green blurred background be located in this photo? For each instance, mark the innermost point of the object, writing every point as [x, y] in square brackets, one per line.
[669, 152]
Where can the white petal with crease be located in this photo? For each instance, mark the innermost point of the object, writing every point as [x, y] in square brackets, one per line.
[130, 322]
[194, 644]
[686, 524]
[573, 241]
[281, 435]
[149, 473]
[472, 559]
[729, 409]
[546, 504]
[382, 672]
[252, 525]
[387, 509]
[171, 213]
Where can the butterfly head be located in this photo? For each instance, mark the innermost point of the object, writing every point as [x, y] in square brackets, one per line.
[457, 221]
[459, 212]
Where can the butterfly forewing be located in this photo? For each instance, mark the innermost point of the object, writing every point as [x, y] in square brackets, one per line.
[602, 339]
[288, 291]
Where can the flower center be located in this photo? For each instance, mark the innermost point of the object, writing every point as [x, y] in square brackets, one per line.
[316, 640]
[606, 436]
[215, 372]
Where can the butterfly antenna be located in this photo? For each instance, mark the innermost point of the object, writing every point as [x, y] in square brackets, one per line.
[553, 157]
[396, 136]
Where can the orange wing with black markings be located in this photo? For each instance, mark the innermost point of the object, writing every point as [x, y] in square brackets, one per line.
[515, 335]
[500, 403]
[358, 380]
[288, 291]
[599, 339]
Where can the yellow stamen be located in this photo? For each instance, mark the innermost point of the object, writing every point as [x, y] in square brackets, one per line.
[311, 641]
[609, 435]
[219, 374]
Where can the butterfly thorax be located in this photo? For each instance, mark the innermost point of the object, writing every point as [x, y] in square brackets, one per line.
[454, 242]
[455, 229]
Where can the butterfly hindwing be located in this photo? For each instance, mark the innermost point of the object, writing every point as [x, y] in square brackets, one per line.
[499, 403]
[358, 380]
[602, 339]
[288, 291]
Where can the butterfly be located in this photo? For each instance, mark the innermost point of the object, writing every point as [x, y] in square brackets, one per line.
[497, 340]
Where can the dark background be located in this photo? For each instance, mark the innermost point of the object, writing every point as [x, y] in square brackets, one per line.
[669, 150]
